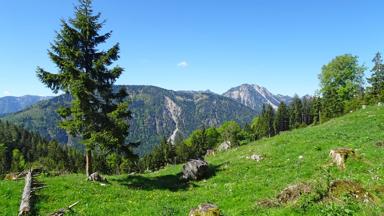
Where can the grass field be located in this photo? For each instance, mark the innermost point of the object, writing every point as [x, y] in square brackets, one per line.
[237, 183]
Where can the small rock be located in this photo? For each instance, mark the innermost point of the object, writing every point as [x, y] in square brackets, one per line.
[206, 209]
[224, 146]
[195, 170]
[96, 177]
[301, 157]
[256, 157]
[364, 106]
[380, 104]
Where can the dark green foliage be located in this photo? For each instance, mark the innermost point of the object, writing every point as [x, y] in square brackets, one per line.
[264, 125]
[97, 114]
[376, 90]
[281, 121]
[20, 149]
[296, 112]
[341, 81]
[316, 109]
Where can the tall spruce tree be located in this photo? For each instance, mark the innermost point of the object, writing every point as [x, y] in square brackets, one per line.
[376, 80]
[307, 110]
[296, 112]
[97, 114]
[281, 122]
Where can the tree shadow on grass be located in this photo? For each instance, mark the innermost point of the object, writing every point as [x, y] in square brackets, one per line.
[165, 182]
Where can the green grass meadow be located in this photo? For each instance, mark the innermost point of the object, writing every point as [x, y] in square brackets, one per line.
[236, 183]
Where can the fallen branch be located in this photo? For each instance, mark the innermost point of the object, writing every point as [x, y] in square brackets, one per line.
[62, 211]
[25, 205]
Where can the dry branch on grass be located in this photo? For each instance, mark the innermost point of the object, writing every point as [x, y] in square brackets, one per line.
[62, 211]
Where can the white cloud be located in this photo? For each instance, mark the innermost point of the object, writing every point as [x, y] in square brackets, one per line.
[183, 64]
[6, 93]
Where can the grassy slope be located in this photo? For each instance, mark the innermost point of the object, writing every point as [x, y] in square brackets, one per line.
[238, 182]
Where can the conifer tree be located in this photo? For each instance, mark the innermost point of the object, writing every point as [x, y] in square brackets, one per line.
[307, 110]
[376, 80]
[97, 114]
[281, 122]
[296, 112]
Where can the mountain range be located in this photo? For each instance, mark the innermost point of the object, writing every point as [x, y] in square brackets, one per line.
[158, 112]
[11, 104]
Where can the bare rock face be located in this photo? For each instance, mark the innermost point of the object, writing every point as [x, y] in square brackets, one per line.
[340, 155]
[195, 170]
[205, 209]
[96, 177]
[224, 146]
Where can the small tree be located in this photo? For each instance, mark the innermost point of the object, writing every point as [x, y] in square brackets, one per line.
[97, 113]
[341, 80]
[230, 131]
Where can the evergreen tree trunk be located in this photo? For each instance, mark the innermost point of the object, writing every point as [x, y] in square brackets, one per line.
[88, 162]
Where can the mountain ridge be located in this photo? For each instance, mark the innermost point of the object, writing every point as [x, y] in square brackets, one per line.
[157, 113]
[11, 104]
[255, 96]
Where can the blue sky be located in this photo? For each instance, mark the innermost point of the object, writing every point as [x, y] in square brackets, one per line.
[199, 44]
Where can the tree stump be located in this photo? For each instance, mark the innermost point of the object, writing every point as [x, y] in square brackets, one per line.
[340, 155]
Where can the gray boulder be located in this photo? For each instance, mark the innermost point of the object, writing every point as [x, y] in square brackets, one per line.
[195, 170]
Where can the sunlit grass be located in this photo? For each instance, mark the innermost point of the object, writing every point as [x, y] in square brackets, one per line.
[237, 183]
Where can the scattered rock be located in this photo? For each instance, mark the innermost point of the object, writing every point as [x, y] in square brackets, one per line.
[224, 146]
[96, 177]
[339, 187]
[301, 157]
[195, 170]
[364, 106]
[293, 192]
[340, 155]
[210, 152]
[256, 157]
[205, 209]
[380, 104]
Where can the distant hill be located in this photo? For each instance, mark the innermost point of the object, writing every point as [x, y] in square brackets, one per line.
[11, 104]
[255, 96]
[157, 113]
